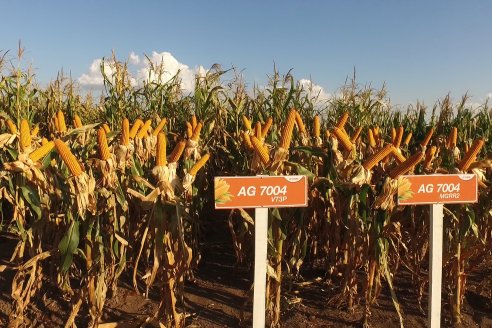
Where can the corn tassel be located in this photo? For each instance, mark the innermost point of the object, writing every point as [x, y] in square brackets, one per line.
[356, 135]
[177, 151]
[144, 129]
[68, 158]
[125, 132]
[288, 129]
[343, 138]
[62, 127]
[77, 122]
[198, 165]
[266, 127]
[161, 150]
[316, 127]
[407, 165]
[133, 132]
[300, 123]
[343, 120]
[159, 127]
[260, 150]
[471, 154]
[247, 123]
[427, 138]
[12, 126]
[196, 132]
[42, 151]
[102, 143]
[375, 158]
[25, 135]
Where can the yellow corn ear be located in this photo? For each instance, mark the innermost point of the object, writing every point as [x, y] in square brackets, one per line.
[356, 135]
[102, 143]
[453, 138]
[44, 141]
[177, 151]
[35, 131]
[429, 155]
[260, 150]
[77, 122]
[161, 150]
[247, 123]
[266, 127]
[193, 122]
[133, 132]
[397, 155]
[471, 154]
[427, 138]
[189, 130]
[196, 132]
[258, 130]
[125, 132]
[25, 135]
[55, 123]
[247, 140]
[68, 158]
[377, 157]
[370, 136]
[408, 138]
[106, 128]
[343, 138]
[406, 165]
[144, 129]
[62, 127]
[327, 134]
[288, 129]
[42, 151]
[201, 162]
[300, 123]
[343, 119]
[393, 135]
[12, 126]
[316, 127]
[159, 127]
[398, 137]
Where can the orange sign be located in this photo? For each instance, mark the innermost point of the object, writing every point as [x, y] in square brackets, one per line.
[260, 191]
[437, 188]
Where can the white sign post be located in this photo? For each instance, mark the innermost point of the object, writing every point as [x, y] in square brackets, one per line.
[260, 193]
[435, 265]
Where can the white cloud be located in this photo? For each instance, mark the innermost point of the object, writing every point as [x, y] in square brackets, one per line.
[315, 90]
[141, 71]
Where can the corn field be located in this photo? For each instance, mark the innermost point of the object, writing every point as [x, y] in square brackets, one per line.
[94, 189]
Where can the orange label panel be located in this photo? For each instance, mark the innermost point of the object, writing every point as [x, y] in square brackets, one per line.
[260, 191]
[437, 188]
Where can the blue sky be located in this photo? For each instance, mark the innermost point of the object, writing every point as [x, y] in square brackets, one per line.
[421, 49]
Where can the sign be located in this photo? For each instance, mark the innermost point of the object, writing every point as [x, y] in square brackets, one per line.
[437, 189]
[261, 191]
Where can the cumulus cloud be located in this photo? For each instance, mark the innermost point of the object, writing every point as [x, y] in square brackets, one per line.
[144, 70]
[314, 90]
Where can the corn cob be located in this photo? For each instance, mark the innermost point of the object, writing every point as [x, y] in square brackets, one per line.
[356, 135]
[12, 126]
[327, 134]
[189, 130]
[453, 138]
[260, 150]
[398, 137]
[144, 129]
[393, 135]
[247, 123]
[375, 158]
[196, 132]
[102, 144]
[77, 122]
[467, 147]
[406, 165]
[193, 122]
[258, 130]
[159, 127]
[429, 155]
[198, 165]
[177, 151]
[25, 135]
[287, 130]
[397, 155]
[35, 131]
[247, 140]
[408, 138]
[343, 138]
[343, 119]
[125, 132]
[133, 132]
[44, 141]
[55, 123]
[370, 136]
[427, 138]
[68, 158]
[161, 150]
[266, 127]
[62, 127]
[300, 123]
[106, 128]
[316, 127]
[471, 154]
[41, 151]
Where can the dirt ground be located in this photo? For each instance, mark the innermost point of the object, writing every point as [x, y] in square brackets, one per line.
[217, 298]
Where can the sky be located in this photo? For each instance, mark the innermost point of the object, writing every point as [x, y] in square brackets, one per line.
[421, 50]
